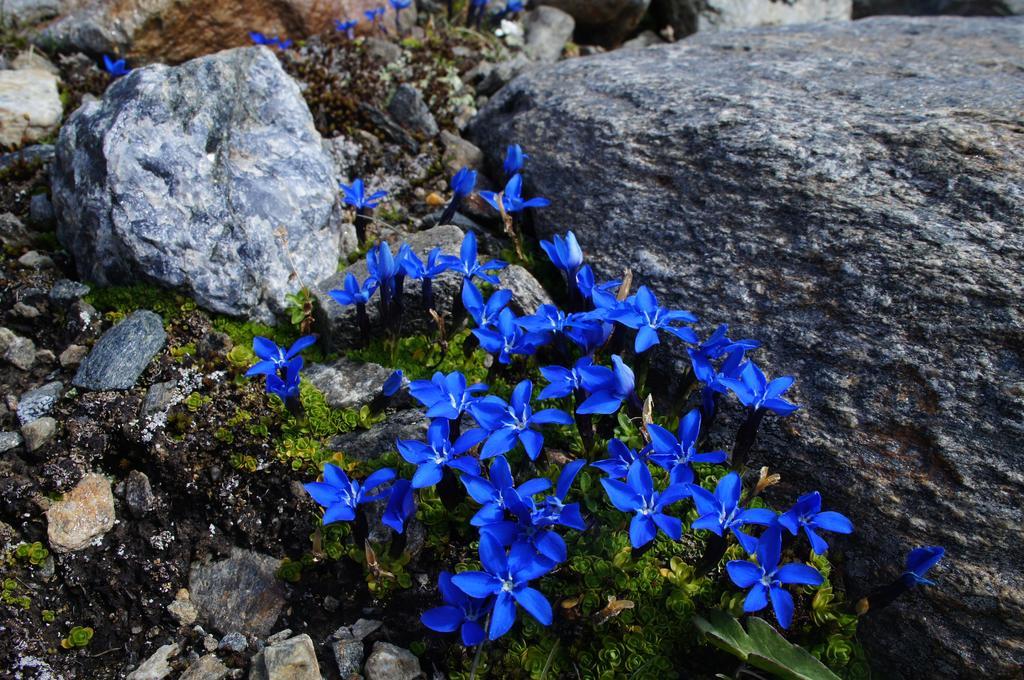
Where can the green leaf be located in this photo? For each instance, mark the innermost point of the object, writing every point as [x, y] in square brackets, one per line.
[726, 632]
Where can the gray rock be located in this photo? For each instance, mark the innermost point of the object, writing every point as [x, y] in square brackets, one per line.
[344, 154]
[27, 12]
[864, 8]
[645, 39]
[30, 58]
[40, 212]
[73, 355]
[380, 439]
[411, 112]
[208, 177]
[157, 666]
[346, 383]
[39, 432]
[489, 78]
[21, 352]
[458, 153]
[183, 610]
[527, 293]
[696, 16]
[338, 325]
[13, 233]
[364, 628]
[122, 354]
[38, 402]
[293, 659]
[33, 259]
[82, 321]
[233, 642]
[391, 662]
[348, 654]
[138, 494]
[386, 51]
[30, 106]
[607, 22]
[83, 515]
[240, 593]
[9, 440]
[37, 153]
[279, 636]
[547, 30]
[65, 292]
[843, 194]
[209, 667]
[159, 396]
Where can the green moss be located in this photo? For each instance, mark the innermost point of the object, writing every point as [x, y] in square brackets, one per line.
[419, 356]
[123, 300]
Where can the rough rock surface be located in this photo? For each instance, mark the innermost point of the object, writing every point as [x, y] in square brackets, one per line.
[850, 198]
[695, 16]
[379, 439]
[156, 667]
[25, 12]
[391, 662]
[39, 401]
[176, 30]
[547, 31]
[209, 667]
[346, 383]
[85, 513]
[30, 106]
[122, 354]
[998, 8]
[291, 659]
[607, 22]
[240, 593]
[38, 432]
[207, 177]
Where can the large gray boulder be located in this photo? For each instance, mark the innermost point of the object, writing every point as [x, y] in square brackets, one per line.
[603, 21]
[851, 194]
[996, 8]
[208, 177]
[695, 16]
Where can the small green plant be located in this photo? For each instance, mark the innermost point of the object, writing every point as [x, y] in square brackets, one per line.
[34, 553]
[300, 310]
[80, 636]
[290, 570]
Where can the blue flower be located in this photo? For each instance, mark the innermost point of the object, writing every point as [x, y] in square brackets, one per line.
[919, 561]
[637, 495]
[467, 265]
[622, 457]
[414, 267]
[493, 494]
[645, 315]
[721, 511]
[586, 283]
[766, 578]
[464, 182]
[276, 42]
[484, 314]
[288, 386]
[353, 293]
[549, 546]
[355, 195]
[274, 358]
[608, 387]
[507, 578]
[564, 253]
[401, 505]
[676, 455]
[383, 268]
[116, 68]
[511, 200]
[807, 514]
[506, 338]
[341, 497]
[445, 396]
[393, 383]
[754, 390]
[399, 5]
[460, 612]
[348, 27]
[514, 158]
[512, 7]
[375, 14]
[514, 422]
[705, 372]
[563, 381]
[718, 345]
[438, 453]
[554, 510]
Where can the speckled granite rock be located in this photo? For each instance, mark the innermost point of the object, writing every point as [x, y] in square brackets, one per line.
[121, 355]
[697, 16]
[241, 593]
[83, 515]
[603, 21]
[849, 193]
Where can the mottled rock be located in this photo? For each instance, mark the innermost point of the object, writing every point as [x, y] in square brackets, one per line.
[30, 106]
[27, 12]
[379, 439]
[348, 654]
[183, 610]
[488, 78]
[9, 440]
[292, 659]
[547, 31]
[208, 177]
[40, 212]
[693, 16]
[346, 383]
[853, 199]
[209, 667]
[37, 153]
[83, 515]
[391, 662]
[39, 432]
[607, 22]
[458, 153]
[122, 353]
[233, 642]
[38, 402]
[33, 259]
[240, 593]
[157, 666]
[73, 355]
[32, 59]
[411, 112]
[338, 326]
[527, 293]
[138, 494]
[995, 8]
[65, 292]
[13, 233]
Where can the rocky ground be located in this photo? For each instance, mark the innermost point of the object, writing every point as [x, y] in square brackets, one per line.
[152, 519]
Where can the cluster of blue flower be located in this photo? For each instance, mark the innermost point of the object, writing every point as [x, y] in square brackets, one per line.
[517, 524]
[273, 43]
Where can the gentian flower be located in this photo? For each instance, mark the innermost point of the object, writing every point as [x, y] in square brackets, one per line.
[401, 505]
[484, 314]
[439, 453]
[554, 510]
[507, 578]
[564, 253]
[511, 200]
[514, 422]
[549, 546]
[287, 387]
[586, 283]
[385, 269]
[445, 396]
[506, 338]
[462, 184]
[705, 372]
[353, 293]
[563, 381]
[514, 158]
[676, 454]
[415, 268]
[356, 197]
[398, 6]
[341, 496]
[274, 358]
[493, 494]
[645, 315]
[348, 27]
[807, 514]
[766, 578]
[721, 511]
[393, 383]
[637, 495]
[617, 466]
[460, 612]
[608, 387]
[115, 68]
[547, 319]
[919, 561]
[467, 265]
[718, 344]
[756, 393]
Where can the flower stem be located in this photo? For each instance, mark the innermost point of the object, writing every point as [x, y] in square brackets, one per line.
[362, 220]
[745, 438]
[714, 550]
